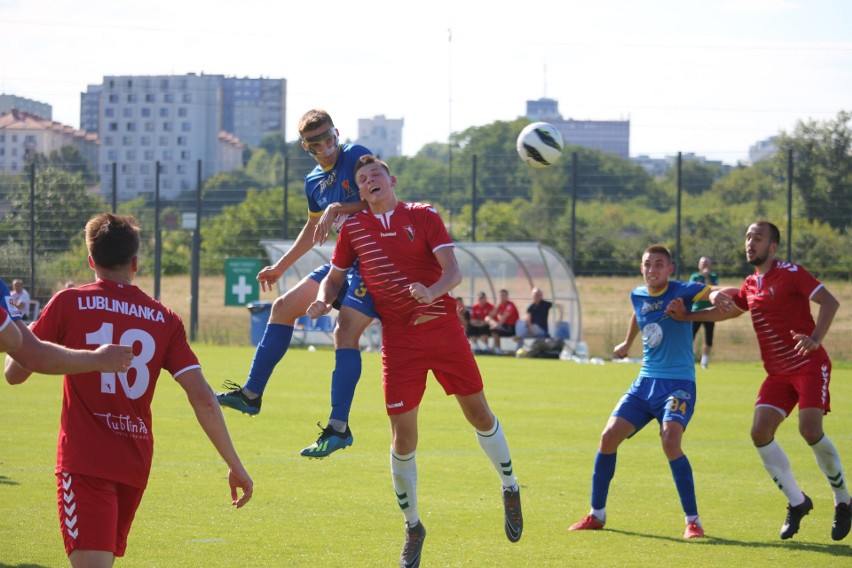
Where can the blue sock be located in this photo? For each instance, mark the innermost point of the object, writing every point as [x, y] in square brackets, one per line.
[344, 379]
[682, 473]
[601, 477]
[272, 347]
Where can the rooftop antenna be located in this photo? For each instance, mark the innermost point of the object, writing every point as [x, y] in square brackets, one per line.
[545, 81]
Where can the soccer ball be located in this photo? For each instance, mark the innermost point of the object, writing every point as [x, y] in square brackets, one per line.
[539, 144]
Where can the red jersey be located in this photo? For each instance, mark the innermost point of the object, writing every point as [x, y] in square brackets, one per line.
[395, 250]
[4, 318]
[480, 311]
[105, 429]
[779, 302]
[508, 308]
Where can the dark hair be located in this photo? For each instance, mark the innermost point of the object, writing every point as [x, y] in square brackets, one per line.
[112, 240]
[313, 119]
[774, 233]
[366, 160]
[658, 249]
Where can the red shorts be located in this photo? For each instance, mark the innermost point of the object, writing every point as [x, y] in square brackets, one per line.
[808, 387]
[408, 354]
[95, 513]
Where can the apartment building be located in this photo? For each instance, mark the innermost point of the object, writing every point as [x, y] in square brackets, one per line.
[611, 136]
[383, 136]
[29, 106]
[23, 135]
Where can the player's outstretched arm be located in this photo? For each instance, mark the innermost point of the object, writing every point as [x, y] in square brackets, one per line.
[209, 416]
[269, 275]
[37, 356]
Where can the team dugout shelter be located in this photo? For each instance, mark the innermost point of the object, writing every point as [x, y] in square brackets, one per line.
[486, 267]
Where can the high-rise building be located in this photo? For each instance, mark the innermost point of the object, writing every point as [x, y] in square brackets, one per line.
[174, 121]
[611, 136]
[383, 136]
[253, 108]
[29, 106]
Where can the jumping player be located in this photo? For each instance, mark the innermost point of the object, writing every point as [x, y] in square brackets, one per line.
[332, 196]
[407, 260]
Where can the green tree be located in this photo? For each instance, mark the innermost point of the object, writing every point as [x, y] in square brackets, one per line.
[822, 158]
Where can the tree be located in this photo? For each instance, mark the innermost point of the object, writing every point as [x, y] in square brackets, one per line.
[822, 158]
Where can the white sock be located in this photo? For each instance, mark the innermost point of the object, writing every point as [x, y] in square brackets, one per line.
[404, 474]
[829, 462]
[778, 465]
[705, 359]
[599, 514]
[494, 444]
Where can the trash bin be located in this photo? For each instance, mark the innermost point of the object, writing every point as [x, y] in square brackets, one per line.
[259, 312]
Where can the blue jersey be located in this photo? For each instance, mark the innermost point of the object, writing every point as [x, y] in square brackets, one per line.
[336, 185]
[5, 301]
[666, 343]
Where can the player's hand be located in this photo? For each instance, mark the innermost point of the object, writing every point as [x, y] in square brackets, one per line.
[268, 276]
[317, 309]
[804, 343]
[238, 478]
[325, 222]
[114, 358]
[722, 301]
[420, 293]
[621, 350]
[676, 309]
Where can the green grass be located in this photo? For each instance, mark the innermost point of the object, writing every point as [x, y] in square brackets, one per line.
[341, 511]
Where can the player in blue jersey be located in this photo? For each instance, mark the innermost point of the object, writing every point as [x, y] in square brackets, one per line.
[332, 196]
[664, 390]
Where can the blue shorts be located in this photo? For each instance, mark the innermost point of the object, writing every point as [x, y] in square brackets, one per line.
[353, 293]
[663, 399]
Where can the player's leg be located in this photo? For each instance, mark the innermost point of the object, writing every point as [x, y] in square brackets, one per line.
[767, 419]
[357, 312]
[814, 402]
[404, 474]
[492, 440]
[709, 327]
[273, 345]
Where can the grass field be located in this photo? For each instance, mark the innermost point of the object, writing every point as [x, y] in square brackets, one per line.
[341, 511]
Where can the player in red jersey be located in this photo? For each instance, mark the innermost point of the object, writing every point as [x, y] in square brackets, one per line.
[105, 438]
[798, 368]
[407, 260]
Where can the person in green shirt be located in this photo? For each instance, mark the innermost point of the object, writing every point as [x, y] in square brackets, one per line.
[705, 275]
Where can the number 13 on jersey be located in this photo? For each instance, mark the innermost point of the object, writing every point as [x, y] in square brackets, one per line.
[104, 336]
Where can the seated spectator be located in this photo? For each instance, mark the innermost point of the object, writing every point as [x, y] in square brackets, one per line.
[502, 320]
[537, 314]
[478, 326]
[20, 298]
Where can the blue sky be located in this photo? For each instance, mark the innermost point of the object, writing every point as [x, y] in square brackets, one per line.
[692, 76]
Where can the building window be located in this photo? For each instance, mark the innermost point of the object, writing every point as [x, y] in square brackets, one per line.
[163, 141]
[131, 97]
[183, 112]
[146, 112]
[186, 126]
[187, 98]
[167, 126]
[149, 126]
[145, 169]
[109, 140]
[149, 155]
[168, 98]
[164, 83]
[109, 112]
[131, 127]
[150, 98]
[164, 112]
[113, 126]
[144, 140]
[113, 98]
[185, 155]
[167, 155]
[127, 141]
[181, 141]
[130, 155]
[127, 112]
[112, 155]
[125, 169]
[181, 169]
